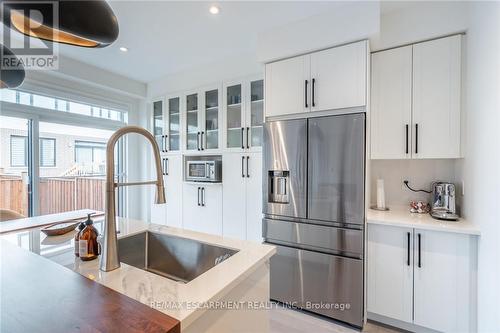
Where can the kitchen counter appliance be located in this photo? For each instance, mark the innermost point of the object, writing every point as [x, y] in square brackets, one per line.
[314, 207]
[443, 201]
[204, 170]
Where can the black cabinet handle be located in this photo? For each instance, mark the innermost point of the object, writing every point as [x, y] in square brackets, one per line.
[419, 251]
[248, 172]
[163, 167]
[198, 140]
[242, 167]
[199, 188]
[248, 143]
[203, 196]
[166, 143]
[406, 138]
[408, 249]
[416, 138]
[201, 141]
[305, 93]
[167, 165]
[242, 134]
[313, 85]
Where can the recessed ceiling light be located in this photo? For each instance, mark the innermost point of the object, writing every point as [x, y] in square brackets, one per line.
[214, 10]
[123, 49]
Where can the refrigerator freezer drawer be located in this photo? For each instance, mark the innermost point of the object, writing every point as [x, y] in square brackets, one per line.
[342, 241]
[325, 284]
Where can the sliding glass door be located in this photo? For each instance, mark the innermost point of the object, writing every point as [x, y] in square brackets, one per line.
[15, 168]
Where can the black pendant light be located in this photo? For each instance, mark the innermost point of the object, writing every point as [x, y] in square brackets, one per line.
[81, 23]
[12, 72]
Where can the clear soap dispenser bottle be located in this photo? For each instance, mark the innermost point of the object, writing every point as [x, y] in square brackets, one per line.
[89, 248]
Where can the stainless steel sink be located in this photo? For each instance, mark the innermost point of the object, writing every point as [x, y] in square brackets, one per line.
[176, 258]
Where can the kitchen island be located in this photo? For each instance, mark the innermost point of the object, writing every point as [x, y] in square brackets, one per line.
[231, 296]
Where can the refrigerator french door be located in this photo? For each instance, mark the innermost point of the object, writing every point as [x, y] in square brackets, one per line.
[314, 213]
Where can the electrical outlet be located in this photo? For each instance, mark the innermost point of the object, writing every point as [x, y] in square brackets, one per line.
[403, 186]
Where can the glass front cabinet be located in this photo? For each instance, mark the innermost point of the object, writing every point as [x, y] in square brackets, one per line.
[203, 119]
[244, 115]
[173, 117]
[159, 128]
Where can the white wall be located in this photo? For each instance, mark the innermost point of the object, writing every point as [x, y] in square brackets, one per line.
[419, 173]
[351, 21]
[226, 69]
[482, 163]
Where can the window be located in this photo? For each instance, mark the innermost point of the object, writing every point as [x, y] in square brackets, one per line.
[47, 152]
[90, 152]
[57, 104]
[19, 151]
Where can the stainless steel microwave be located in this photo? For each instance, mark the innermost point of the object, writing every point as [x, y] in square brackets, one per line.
[204, 171]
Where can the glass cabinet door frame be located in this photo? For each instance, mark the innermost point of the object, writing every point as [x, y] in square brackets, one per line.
[241, 129]
[162, 142]
[202, 116]
[248, 111]
[184, 110]
[166, 115]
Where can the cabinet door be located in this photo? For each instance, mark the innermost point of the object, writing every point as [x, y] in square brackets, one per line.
[254, 196]
[443, 272]
[235, 117]
[210, 130]
[234, 210]
[202, 208]
[391, 104]
[193, 132]
[159, 128]
[173, 190]
[338, 77]
[173, 123]
[288, 86]
[390, 272]
[192, 211]
[436, 98]
[158, 213]
[255, 115]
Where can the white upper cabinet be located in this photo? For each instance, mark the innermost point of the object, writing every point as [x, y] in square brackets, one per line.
[391, 104]
[415, 96]
[436, 98]
[211, 119]
[288, 86]
[244, 116]
[324, 80]
[338, 77]
[158, 124]
[173, 126]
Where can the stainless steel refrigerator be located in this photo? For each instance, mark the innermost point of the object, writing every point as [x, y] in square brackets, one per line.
[313, 193]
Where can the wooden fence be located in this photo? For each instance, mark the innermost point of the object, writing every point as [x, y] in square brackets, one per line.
[56, 194]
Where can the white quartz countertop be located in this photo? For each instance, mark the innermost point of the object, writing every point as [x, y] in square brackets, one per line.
[401, 217]
[183, 301]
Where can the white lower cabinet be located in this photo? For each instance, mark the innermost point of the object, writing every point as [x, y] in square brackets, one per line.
[390, 272]
[202, 207]
[421, 277]
[170, 213]
[242, 202]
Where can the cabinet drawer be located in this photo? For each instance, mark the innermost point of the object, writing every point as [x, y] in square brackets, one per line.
[307, 279]
[342, 241]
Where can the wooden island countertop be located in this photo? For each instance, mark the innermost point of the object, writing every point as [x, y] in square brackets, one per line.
[38, 295]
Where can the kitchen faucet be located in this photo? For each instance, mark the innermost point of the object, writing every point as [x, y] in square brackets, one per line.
[109, 256]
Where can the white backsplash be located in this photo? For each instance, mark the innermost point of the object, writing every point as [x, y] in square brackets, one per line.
[420, 173]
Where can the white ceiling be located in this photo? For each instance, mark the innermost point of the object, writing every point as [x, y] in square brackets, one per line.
[165, 37]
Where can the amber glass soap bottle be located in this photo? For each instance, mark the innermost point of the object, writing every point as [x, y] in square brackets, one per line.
[89, 248]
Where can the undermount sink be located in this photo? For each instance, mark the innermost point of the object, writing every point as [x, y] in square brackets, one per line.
[176, 258]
